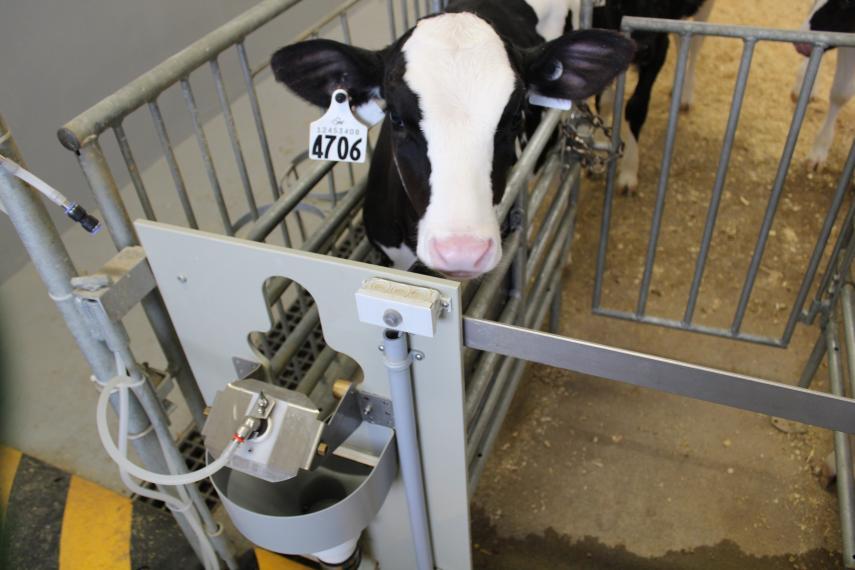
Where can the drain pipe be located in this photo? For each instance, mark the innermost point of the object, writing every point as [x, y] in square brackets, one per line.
[398, 363]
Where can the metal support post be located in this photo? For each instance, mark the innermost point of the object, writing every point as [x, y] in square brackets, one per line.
[398, 363]
[118, 222]
[842, 453]
[53, 263]
[117, 340]
[816, 356]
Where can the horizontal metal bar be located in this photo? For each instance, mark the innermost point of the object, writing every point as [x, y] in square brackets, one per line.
[336, 218]
[273, 216]
[482, 379]
[550, 229]
[716, 386]
[483, 447]
[477, 390]
[541, 189]
[527, 162]
[150, 84]
[675, 324]
[635, 24]
[313, 31]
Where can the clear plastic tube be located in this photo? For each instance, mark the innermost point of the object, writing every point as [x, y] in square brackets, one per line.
[49, 191]
[136, 470]
[72, 209]
[174, 504]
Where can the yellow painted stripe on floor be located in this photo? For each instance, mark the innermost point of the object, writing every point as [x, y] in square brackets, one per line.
[271, 561]
[96, 528]
[9, 460]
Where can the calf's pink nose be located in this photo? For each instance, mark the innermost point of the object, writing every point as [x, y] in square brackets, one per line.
[461, 253]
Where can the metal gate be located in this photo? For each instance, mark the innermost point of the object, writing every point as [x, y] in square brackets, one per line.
[304, 207]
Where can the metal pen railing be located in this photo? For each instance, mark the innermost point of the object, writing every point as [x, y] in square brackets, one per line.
[750, 37]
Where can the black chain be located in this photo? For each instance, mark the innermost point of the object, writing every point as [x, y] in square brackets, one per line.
[578, 133]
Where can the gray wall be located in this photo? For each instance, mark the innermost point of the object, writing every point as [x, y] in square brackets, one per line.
[60, 57]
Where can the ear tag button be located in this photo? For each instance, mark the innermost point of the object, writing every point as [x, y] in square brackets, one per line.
[550, 102]
[338, 135]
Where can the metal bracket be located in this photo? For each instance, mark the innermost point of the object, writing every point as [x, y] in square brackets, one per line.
[120, 285]
[376, 409]
[400, 307]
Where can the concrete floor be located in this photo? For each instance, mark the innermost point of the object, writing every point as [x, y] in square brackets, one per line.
[586, 474]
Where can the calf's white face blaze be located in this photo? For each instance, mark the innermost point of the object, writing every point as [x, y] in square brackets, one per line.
[458, 67]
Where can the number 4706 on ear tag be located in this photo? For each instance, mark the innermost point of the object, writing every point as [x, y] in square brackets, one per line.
[338, 135]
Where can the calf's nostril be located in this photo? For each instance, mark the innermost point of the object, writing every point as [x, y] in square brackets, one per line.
[461, 252]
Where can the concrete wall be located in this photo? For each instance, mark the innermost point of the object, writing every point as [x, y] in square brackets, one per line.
[59, 58]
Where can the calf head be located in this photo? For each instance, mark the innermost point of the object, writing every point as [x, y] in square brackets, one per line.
[829, 16]
[455, 93]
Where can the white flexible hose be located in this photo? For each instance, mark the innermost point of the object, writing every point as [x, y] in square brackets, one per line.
[136, 470]
[210, 556]
[49, 191]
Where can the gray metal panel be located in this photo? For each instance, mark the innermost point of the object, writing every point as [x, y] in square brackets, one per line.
[213, 289]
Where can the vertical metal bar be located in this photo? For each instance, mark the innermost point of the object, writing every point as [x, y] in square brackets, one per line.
[519, 275]
[390, 14]
[417, 10]
[205, 150]
[110, 204]
[848, 309]
[555, 309]
[778, 187]
[331, 187]
[720, 176]
[174, 169]
[814, 360]
[116, 338]
[405, 14]
[345, 28]
[398, 363]
[586, 16]
[821, 243]
[606, 221]
[134, 172]
[233, 136]
[53, 263]
[665, 171]
[436, 6]
[262, 134]
[842, 452]
[843, 239]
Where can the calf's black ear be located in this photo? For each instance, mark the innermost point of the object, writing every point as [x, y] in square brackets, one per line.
[316, 68]
[578, 64]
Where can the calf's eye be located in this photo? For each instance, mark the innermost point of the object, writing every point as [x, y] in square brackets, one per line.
[396, 119]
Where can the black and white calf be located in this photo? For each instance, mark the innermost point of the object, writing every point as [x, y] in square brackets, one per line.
[455, 91]
[830, 16]
[649, 59]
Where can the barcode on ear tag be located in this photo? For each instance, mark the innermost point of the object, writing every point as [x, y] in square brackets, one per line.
[338, 135]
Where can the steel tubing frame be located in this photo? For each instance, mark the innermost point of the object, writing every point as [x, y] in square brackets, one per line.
[53, 264]
[750, 36]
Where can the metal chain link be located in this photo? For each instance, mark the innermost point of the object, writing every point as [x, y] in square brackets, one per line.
[578, 133]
